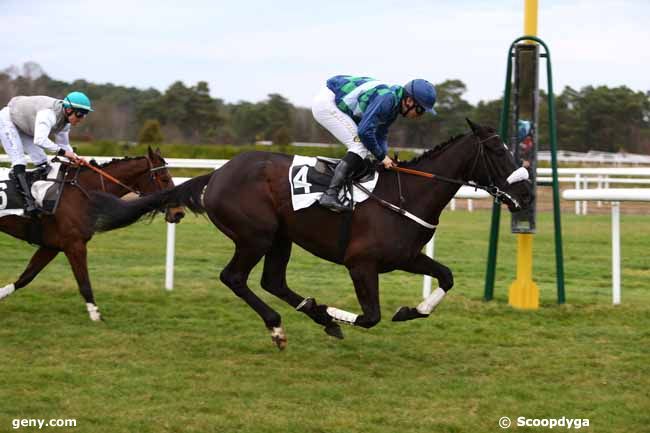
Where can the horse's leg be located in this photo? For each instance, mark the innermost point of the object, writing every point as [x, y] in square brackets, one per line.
[274, 281]
[77, 256]
[235, 276]
[39, 260]
[366, 285]
[425, 265]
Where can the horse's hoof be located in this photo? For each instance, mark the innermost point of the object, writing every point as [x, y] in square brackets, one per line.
[279, 337]
[334, 330]
[402, 314]
[406, 313]
[280, 342]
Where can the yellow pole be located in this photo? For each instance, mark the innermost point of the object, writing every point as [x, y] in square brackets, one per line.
[523, 292]
[530, 18]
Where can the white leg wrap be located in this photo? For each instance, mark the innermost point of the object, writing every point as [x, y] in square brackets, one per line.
[93, 311]
[430, 303]
[277, 332]
[342, 316]
[6, 291]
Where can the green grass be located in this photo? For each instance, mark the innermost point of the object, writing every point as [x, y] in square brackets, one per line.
[199, 360]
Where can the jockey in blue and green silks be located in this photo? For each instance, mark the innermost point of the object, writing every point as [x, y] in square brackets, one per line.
[358, 111]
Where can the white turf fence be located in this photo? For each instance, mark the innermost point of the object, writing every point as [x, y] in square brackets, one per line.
[603, 178]
[615, 196]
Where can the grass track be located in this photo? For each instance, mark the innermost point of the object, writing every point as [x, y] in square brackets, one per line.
[199, 360]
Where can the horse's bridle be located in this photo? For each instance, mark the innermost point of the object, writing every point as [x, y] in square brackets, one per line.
[153, 172]
[491, 188]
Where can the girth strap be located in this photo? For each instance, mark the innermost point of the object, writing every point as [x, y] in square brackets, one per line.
[394, 208]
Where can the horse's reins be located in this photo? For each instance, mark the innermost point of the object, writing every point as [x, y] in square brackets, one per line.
[449, 179]
[103, 174]
[491, 189]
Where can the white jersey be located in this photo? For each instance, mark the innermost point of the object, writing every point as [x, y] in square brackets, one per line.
[38, 117]
[25, 125]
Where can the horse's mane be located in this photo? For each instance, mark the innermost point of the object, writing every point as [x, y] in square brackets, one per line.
[433, 152]
[112, 161]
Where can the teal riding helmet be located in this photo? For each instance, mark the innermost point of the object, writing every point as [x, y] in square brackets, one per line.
[77, 100]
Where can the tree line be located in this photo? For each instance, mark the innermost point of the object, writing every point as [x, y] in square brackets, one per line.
[592, 118]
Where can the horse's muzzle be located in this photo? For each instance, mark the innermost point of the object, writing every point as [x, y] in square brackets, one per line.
[174, 214]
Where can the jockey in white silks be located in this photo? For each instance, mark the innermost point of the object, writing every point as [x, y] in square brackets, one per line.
[25, 126]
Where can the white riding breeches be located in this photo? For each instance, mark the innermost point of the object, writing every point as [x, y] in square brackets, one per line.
[15, 143]
[339, 124]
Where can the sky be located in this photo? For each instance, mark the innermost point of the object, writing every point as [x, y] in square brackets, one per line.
[248, 49]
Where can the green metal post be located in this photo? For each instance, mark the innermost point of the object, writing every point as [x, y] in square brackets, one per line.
[559, 257]
[496, 208]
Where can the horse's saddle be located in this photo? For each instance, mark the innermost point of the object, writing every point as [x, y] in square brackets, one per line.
[46, 188]
[325, 166]
[310, 177]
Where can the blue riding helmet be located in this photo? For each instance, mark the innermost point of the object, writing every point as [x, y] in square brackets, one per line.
[77, 100]
[423, 92]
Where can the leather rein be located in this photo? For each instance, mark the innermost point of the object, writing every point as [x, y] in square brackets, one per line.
[480, 155]
[491, 189]
[155, 177]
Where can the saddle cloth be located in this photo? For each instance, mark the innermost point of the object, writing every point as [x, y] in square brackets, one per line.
[45, 192]
[308, 184]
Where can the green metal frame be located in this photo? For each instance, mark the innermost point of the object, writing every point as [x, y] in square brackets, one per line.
[496, 207]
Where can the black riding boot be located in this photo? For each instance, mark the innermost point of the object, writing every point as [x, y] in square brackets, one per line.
[348, 165]
[23, 187]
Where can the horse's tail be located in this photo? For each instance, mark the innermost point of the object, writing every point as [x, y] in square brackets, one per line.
[109, 212]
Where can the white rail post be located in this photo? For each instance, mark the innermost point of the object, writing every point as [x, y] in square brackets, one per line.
[600, 185]
[470, 205]
[578, 187]
[426, 284]
[169, 267]
[584, 203]
[616, 253]
[452, 204]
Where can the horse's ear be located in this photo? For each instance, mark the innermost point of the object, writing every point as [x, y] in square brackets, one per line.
[158, 151]
[150, 152]
[475, 128]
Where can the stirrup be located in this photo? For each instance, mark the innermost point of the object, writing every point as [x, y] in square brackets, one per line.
[32, 211]
[332, 203]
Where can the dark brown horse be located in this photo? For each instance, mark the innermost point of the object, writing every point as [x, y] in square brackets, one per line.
[70, 228]
[249, 199]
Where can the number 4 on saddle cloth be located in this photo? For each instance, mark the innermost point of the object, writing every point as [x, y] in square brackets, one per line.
[46, 191]
[310, 177]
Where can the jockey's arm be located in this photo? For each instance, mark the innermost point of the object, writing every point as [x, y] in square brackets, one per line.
[62, 139]
[45, 120]
[372, 122]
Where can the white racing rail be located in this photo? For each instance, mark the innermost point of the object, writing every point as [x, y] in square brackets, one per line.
[582, 178]
[615, 196]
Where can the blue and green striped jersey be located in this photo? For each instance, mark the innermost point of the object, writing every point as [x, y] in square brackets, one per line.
[372, 104]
